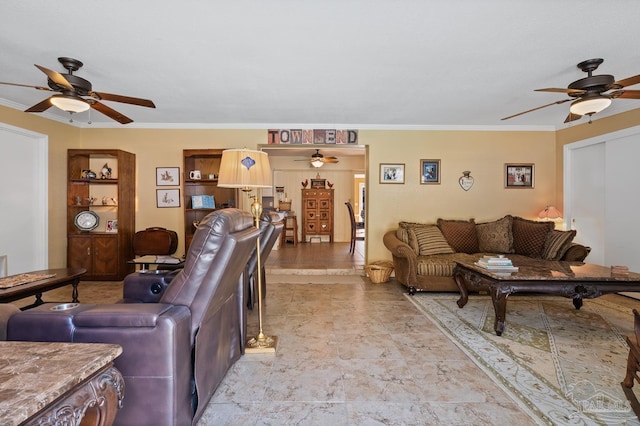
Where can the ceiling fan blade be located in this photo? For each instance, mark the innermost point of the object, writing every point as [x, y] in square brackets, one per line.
[124, 99]
[56, 77]
[111, 113]
[540, 107]
[27, 85]
[628, 81]
[572, 117]
[331, 160]
[628, 94]
[558, 90]
[40, 106]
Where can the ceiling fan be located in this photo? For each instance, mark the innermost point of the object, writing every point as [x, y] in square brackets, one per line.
[75, 94]
[318, 160]
[589, 93]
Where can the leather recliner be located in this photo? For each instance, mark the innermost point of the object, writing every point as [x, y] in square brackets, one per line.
[149, 287]
[176, 351]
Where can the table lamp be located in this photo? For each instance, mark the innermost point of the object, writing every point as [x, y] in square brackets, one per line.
[248, 169]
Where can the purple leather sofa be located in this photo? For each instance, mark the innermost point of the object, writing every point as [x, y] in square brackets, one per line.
[175, 351]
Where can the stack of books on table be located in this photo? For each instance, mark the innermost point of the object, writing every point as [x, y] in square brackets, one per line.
[496, 264]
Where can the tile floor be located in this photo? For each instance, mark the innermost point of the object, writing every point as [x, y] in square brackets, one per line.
[354, 353]
[350, 353]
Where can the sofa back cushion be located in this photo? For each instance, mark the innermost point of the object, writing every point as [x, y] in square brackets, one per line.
[529, 236]
[460, 234]
[557, 244]
[496, 236]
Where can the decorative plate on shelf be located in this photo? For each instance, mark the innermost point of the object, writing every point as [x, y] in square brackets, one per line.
[86, 220]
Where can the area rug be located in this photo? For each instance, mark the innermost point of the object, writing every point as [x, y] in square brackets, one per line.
[561, 365]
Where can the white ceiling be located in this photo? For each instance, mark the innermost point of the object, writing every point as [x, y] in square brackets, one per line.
[321, 64]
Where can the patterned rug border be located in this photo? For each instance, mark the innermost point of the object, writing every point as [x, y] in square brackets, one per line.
[531, 392]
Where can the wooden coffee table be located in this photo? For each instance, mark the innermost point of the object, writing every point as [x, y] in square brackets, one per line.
[573, 280]
[61, 277]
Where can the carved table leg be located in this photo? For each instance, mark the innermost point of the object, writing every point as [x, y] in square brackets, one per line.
[499, 299]
[74, 292]
[464, 294]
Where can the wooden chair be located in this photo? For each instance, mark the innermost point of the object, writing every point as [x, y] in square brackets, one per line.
[354, 227]
[633, 365]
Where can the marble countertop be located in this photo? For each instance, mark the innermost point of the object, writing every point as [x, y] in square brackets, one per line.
[34, 374]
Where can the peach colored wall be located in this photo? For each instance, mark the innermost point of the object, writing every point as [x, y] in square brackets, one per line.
[482, 152]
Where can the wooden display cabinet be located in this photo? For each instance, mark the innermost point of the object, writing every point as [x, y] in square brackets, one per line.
[207, 163]
[317, 214]
[106, 250]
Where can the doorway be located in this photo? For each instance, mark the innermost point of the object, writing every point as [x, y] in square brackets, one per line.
[291, 167]
[23, 220]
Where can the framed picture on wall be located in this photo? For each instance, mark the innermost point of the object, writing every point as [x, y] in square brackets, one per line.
[391, 173]
[429, 172]
[167, 198]
[167, 176]
[518, 175]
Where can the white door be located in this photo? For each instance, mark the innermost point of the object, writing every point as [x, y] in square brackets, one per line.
[24, 200]
[585, 198]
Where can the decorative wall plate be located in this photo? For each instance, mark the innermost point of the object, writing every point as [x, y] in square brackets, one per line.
[466, 180]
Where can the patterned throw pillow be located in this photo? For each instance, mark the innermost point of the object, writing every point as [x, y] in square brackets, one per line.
[557, 243]
[424, 239]
[406, 228]
[430, 240]
[529, 236]
[496, 236]
[460, 234]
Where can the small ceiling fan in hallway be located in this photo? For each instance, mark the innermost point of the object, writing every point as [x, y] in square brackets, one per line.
[75, 94]
[590, 94]
[318, 160]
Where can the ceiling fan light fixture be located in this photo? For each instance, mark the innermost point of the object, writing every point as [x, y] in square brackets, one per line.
[68, 103]
[590, 106]
[317, 162]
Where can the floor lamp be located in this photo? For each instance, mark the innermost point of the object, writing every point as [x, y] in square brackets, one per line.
[248, 169]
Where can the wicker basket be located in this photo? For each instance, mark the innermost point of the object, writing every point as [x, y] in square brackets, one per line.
[284, 206]
[380, 271]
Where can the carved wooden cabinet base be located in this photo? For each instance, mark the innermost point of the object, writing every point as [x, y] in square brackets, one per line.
[94, 402]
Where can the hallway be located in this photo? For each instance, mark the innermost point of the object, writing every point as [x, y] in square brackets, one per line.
[316, 259]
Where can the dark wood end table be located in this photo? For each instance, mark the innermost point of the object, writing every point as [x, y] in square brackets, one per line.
[61, 278]
[574, 280]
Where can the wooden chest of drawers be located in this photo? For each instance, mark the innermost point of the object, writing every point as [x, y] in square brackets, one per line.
[317, 214]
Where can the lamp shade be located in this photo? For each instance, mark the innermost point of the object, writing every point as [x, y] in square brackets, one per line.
[69, 103]
[550, 212]
[244, 168]
[317, 162]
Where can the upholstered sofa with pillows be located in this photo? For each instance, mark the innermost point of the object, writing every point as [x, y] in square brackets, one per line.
[424, 255]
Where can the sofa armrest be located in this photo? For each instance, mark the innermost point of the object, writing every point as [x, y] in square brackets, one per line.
[146, 287]
[405, 260]
[122, 315]
[576, 253]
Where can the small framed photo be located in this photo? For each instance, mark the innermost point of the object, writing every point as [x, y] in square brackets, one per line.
[429, 172]
[318, 183]
[167, 198]
[391, 173]
[167, 176]
[112, 226]
[519, 175]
